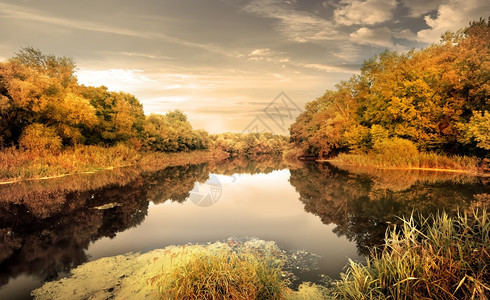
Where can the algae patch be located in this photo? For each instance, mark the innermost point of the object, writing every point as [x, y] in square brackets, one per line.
[128, 276]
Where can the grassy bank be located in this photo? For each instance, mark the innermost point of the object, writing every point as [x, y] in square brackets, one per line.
[232, 270]
[212, 272]
[18, 165]
[229, 271]
[436, 258]
[427, 258]
[418, 161]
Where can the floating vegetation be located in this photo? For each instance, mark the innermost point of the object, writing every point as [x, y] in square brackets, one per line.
[238, 268]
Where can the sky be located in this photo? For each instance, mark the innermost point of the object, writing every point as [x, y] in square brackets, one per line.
[230, 65]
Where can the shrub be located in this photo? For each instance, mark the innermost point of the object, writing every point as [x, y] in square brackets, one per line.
[199, 272]
[39, 137]
[378, 134]
[396, 149]
[476, 130]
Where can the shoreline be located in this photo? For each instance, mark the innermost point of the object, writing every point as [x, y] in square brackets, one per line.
[52, 166]
[48, 166]
[62, 175]
[373, 166]
[132, 275]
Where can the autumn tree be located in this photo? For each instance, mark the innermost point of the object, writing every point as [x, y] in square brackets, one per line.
[436, 98]
[249, 144]
[120, 116]
[62, 68]
[172, 132]
[327, 118]
[37, 88]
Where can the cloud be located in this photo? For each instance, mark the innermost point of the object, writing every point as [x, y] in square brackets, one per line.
[299, 26]
[281, 77]
[305, 27]
[144, 55]
[421, 7]
[369, 12]
[115, 79]
[406, 34]
[452, 16]
[21, 13]
[348, 69]
[260, 52]
[379, 37]
[267, 54]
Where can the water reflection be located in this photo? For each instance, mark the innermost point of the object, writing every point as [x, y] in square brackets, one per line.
[46, 226]
[362, 202]
[49, 227]
[55, 243]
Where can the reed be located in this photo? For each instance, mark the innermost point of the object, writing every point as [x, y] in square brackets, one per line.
[210, 272]
[417, 161]
[429, 258]
[18, 164]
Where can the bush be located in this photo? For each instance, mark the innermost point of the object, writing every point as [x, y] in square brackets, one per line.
[433, 258]
[199, 272]
[41, 138]
[395, 147]
[396, 151]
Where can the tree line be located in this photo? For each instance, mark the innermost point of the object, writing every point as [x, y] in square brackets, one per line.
[433, 99]
[43, 108]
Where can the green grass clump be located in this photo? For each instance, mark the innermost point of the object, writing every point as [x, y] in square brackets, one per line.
[433, 258]
[218, 272]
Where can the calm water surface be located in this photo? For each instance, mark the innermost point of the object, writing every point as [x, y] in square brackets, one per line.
[47, 228]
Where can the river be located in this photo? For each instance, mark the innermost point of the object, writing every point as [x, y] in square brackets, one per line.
[332, 214]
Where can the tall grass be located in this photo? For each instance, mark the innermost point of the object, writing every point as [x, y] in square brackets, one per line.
[210, 272]
[432, 258]
[228, 271]
[420, 160]
[18, 164]
[401, 153]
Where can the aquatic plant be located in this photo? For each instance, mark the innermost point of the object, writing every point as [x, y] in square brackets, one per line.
[422, 160]
[18, 164]
[427, 258]
[219, 272]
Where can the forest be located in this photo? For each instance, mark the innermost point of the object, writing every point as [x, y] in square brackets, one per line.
[430, 100]
[45, 112]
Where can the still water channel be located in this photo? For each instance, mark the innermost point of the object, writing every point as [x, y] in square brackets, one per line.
[49, 227]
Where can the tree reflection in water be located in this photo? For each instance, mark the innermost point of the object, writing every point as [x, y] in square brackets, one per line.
[47, 226]
[363, 202]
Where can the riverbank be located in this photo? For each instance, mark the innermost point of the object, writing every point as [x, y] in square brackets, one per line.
[17, 165]
[420, 161]
[441, 257]
[454, 246]
[250, 269]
